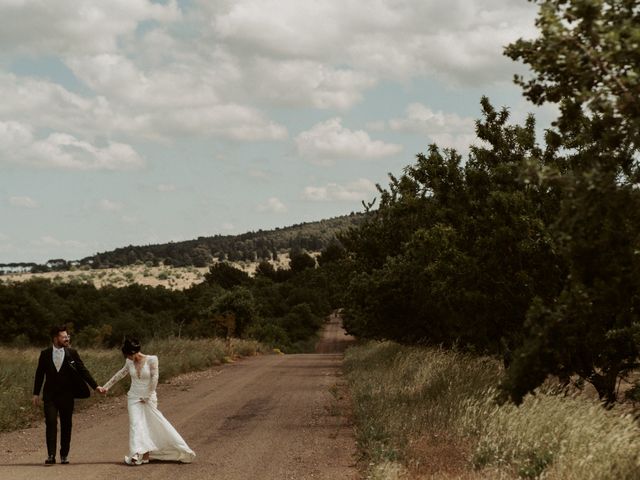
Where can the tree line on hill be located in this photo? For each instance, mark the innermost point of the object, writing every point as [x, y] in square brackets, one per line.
[282, 307]
[262, 245]
[250, 246]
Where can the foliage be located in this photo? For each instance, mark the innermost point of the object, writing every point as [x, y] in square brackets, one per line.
[237, 309]
[281, 307]
[523, 251]
[461, 250]
[299, 261]
[587, 56]
[586, 59]
[226, 275]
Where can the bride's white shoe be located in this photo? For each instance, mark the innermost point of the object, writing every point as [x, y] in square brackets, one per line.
[134, 460]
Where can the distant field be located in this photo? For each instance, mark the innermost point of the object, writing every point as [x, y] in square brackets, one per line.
[175, 278]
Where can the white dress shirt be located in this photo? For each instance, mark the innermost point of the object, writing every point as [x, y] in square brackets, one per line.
[58, 357]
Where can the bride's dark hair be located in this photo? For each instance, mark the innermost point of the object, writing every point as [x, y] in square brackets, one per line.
[130, 346]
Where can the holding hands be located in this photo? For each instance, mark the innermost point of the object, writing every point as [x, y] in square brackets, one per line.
[102, 390]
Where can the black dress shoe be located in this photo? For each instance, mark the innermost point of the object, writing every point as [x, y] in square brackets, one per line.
[64, 460]
[51, 459]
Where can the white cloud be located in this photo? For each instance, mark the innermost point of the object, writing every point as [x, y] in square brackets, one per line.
[328, 141]
[158, 83]
[18, 144]
[228, 226]
[446, 129]
[300, 82]
[107, 205]
[132, 103]
[48, 105]
[66, 26]
[272, 205]
[235, 122]
[22, 202]
[421, 119]
[358, 190]
[394, 39]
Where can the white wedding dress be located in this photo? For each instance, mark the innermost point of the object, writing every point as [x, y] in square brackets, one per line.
[149, 431]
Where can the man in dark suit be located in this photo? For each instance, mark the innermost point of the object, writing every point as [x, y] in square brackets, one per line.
[61, 370]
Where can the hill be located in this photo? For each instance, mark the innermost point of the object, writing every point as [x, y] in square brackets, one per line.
[250, 246]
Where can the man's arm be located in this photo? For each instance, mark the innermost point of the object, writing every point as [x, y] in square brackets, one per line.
[39, 379]
[82, 370]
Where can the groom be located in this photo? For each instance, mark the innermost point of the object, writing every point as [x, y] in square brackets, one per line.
[62, 371]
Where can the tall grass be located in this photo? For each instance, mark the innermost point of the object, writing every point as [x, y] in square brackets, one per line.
[17, 369]
[431, 411]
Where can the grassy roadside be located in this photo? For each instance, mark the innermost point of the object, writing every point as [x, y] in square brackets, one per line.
[430, 413]
[176, 356]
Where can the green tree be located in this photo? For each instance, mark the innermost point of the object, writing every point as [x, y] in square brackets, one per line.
[300, 261]
[334, 252]
[239, 304]
[455, 253]
[226, 275]
[587, 59]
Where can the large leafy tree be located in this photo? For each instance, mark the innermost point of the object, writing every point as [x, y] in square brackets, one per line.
[456, 252]
[587, 60]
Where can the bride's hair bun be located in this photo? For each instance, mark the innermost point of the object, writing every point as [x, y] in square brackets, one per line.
[130, 346]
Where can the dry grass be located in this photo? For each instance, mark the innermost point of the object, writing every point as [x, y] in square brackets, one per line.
[430, 413]
[175, 278]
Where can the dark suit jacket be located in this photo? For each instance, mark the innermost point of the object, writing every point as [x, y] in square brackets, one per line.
[60, 383]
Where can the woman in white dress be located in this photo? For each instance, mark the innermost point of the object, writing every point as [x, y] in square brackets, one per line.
[151, 436]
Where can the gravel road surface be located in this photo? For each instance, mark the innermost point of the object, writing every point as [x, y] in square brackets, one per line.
[264, 417]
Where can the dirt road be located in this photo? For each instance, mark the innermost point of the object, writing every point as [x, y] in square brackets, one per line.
[265, 417]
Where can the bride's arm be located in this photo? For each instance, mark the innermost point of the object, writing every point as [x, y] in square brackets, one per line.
[119, 375]
[155, 371]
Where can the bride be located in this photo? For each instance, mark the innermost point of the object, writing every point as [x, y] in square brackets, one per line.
[151, 436]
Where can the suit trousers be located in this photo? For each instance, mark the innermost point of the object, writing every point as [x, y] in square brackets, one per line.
[58, 405]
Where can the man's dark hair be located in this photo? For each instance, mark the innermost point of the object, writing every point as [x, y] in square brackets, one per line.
[57, 329]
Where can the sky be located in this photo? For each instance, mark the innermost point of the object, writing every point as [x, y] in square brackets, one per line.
[132, 122]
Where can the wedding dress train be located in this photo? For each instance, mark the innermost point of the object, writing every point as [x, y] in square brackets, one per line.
[149, 430]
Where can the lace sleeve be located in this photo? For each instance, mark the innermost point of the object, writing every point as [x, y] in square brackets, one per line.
[119, 375]
[154, 370]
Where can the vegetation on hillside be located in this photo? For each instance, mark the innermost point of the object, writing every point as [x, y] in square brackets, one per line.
[250, 246]
[201, 252]
[281, 307]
